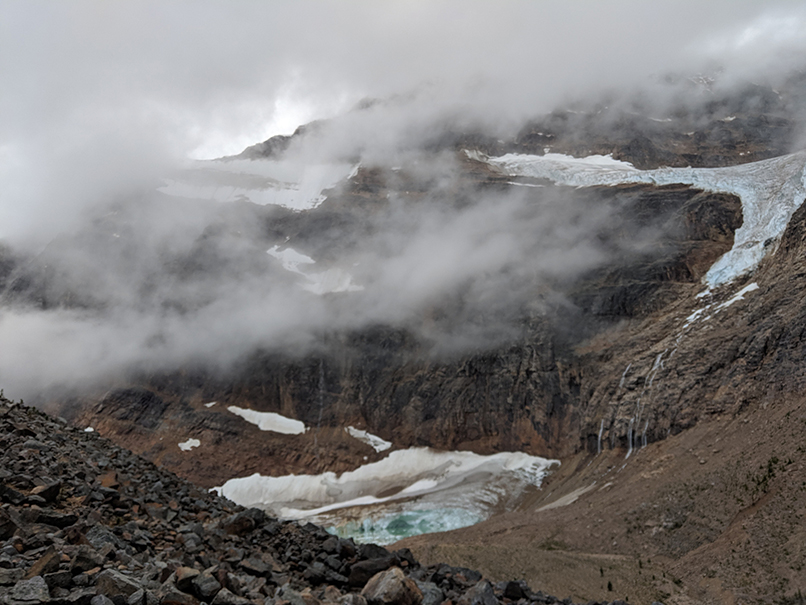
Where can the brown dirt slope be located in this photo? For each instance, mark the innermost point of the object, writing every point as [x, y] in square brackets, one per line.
[711, 514]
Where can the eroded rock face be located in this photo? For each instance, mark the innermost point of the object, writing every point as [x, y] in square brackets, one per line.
[523, 394]
[602, 358]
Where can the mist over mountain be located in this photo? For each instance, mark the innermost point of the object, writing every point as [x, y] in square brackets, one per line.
[530, 271]
[103, 102]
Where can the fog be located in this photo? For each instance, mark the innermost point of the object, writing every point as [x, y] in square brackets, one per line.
[101, 102]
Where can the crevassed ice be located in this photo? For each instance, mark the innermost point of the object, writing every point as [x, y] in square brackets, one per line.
[406, 481]
[270, 421]
[291, 184]
[770, 191]
[375, 442]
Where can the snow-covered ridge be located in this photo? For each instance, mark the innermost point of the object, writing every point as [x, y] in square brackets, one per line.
[770, 191]
[444, 487]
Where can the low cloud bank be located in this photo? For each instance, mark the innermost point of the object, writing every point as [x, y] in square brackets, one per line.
[102, 103]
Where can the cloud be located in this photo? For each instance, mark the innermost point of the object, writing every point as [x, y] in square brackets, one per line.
[101, 101]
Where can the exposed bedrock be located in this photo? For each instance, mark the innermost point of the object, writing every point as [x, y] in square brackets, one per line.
[544, 391]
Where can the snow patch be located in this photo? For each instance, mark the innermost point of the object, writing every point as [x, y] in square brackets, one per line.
[375, 442]
[738, 296]
[290, 258]
[269, 421]
[524, 184]
[188, 445]
[89, 429]
[211, 404]
[332, 280]
[286, 183]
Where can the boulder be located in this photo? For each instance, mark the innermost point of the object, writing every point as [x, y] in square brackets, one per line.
[29, 592]
[480, 594]
[392, 587]
[205, 586]
[111, 582]
[7, 525]
[432, 595]
[47, 563]
[225, 597]
[48, 492]
[244, 522]
[361, 572]
[85, 559]
[184, 577]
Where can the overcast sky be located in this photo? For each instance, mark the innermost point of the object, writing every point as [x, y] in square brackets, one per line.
[96, 96]
[99, 99]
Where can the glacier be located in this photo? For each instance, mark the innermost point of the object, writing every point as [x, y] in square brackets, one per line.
[411, 491]
[770, 192]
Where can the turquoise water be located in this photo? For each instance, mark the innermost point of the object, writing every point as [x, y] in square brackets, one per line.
[390, 527]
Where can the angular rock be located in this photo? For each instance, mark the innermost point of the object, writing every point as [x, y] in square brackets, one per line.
[372, 551]
[59, 579]
[101, 599]
[225, 597]
[205, 586]
[112, 583]
[331, 594]
[352, 599]
[256, 567]
[7, 525]
[173, 596]
[244, 522]
[29, 592]
[516, 590]
[98, 536]
[361, 572]
[9, 577]
[480, 594]
[432, 595]
[141, 597]
[392, 587]
[79, 596]
[184, 577]
[47, 563]
[85, 559]
[9, 494]
[49, 492]
[60, 520]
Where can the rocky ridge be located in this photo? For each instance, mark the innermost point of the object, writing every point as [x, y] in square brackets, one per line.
[84, 521]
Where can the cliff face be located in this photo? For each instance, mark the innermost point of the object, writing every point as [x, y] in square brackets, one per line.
[616, 353]
[536, 390]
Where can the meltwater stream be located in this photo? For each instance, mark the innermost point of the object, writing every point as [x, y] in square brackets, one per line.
[410, 492]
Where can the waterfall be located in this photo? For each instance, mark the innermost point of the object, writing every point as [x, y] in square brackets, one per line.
[599, 441]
